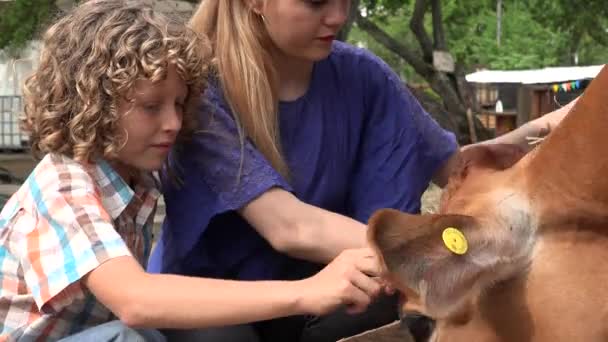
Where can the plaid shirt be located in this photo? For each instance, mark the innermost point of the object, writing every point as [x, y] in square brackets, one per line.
[64, 221]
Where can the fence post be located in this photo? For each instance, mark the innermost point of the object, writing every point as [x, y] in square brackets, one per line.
[472, 131]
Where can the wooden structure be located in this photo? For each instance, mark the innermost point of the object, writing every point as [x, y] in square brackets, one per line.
[392, 332]
[535, 100]
[500, 122]
[526, 94]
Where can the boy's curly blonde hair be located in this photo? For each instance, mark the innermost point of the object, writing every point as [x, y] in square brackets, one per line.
[90, 59]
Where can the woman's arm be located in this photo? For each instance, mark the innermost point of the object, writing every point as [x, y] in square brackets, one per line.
[141, 299]
[302, 230]
[536, 129]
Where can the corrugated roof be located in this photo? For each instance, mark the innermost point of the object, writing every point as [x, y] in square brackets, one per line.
[535, 76]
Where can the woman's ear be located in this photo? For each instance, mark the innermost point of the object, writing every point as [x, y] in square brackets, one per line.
[255, 5]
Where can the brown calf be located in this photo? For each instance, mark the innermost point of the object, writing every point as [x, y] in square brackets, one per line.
[527, 259]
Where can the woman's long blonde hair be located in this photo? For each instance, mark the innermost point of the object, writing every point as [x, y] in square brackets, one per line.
[248, 79]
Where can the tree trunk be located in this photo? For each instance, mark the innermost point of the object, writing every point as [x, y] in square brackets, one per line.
[354, 9]
[498, 21]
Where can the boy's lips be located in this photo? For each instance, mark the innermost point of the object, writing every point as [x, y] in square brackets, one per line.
[165, 145]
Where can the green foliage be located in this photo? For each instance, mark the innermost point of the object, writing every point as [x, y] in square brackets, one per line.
[591, 52]
[534, 34]
[20, 21]
[383, 9]
[583, 23]
[574, 17]
[524, 43]
[394, 26]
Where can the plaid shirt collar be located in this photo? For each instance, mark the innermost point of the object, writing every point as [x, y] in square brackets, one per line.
[116, 194]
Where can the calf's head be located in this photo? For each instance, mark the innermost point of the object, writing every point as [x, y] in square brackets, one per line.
[483, 233]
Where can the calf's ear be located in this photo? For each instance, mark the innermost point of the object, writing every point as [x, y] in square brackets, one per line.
[446, 260]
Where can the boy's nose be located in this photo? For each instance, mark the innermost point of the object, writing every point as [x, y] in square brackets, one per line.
[172, 120]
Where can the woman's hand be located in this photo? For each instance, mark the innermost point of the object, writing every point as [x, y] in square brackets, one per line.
[523, 136]
[349, 280]
[549, 121]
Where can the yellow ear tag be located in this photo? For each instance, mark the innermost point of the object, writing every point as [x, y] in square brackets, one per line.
[455, 241]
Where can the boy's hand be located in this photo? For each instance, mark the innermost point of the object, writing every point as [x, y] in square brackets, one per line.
[350, 280]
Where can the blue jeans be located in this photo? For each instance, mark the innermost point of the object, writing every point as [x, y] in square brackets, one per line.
[329, 328]
[115, 331]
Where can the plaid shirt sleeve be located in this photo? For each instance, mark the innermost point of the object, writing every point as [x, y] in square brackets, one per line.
[73, 234]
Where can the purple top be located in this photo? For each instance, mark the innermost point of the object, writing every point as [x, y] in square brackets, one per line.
[357, 141]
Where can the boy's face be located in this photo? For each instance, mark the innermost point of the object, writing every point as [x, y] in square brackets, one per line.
[151, 122]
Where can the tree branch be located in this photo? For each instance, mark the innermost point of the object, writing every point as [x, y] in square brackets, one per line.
[417, 26]
[411, 57]
[354, 9]
[438, 33]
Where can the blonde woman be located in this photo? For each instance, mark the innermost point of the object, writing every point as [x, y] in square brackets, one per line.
[308, 137]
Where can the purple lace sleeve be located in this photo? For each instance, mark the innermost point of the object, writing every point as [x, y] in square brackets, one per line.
[236, 172]
[402, 147]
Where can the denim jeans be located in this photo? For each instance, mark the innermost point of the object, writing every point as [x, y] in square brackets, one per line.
[328, 328]
[233, 333]
[115, 331]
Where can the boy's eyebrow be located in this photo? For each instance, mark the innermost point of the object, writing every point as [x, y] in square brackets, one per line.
[147, 91]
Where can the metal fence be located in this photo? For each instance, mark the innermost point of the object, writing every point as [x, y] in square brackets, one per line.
[11, 137]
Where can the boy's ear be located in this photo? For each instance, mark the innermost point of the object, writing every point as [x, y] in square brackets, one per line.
[444, 259]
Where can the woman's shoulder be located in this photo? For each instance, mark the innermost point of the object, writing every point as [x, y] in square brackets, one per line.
[359, 64]
[213, 93]
[348, 55]
[365, 73]
[213, 104]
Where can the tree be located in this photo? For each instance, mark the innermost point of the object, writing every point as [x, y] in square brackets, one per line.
[449, 84]
[525, 42]
[344, 32]
[583, 23]
[20, 21]
[534, 34]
